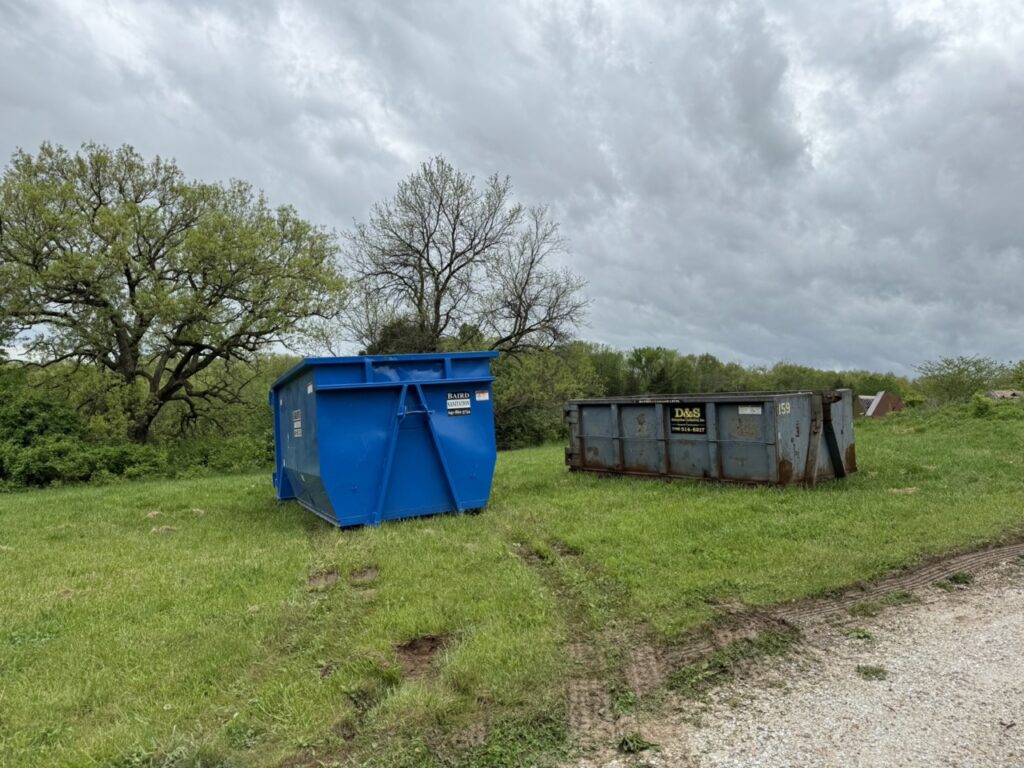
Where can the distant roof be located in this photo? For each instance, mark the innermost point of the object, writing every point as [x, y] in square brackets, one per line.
[1006, 394]
[897, 404]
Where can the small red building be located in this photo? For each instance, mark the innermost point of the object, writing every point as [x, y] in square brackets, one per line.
[881, 404]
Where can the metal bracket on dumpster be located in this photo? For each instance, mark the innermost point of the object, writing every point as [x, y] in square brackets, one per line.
[821, 421]
[400, 414]
[830, 438]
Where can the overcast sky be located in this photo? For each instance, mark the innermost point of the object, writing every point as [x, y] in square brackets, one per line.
[838, 184]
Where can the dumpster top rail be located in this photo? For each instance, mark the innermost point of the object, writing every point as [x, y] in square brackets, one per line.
[831, 395]
[385, 368]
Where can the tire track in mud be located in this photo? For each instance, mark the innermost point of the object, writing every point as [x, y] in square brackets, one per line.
[589, 703]
[646, 666]
[589, 706]
[907, 580]
[743, 623]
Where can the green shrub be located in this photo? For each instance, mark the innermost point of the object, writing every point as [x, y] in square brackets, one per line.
[981, 406]
[232, 453]
[29, 413]
[957, 379]
[68, 459]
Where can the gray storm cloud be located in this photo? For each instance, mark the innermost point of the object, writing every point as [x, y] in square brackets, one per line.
[839, 185]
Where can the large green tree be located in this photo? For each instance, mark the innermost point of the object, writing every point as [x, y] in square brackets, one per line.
[110, 260]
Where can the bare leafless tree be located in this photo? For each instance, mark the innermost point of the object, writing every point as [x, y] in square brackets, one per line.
[531, 305]
[443, 255]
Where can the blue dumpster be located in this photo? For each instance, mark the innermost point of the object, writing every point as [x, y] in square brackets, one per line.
[358, 440]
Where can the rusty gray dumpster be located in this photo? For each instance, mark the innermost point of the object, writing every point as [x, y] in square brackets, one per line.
[750, 437]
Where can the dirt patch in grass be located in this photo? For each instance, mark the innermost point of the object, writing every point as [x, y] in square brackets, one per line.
[345, 730]
[362, 577]
[321, 579]
[164, 529]
[528, 554]
[309, 757]
[416, 656]
[565, 550]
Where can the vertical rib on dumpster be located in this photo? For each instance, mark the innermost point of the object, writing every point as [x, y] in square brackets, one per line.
[811, 466]
[830, 439]
[440, 450]
[389, 456]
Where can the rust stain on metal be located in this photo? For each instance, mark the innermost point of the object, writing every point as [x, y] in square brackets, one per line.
[851, 458]
[785, 472]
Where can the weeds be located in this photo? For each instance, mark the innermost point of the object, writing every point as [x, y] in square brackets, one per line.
[872, 672]
[694, 680]
[958, 580]
[634, 743]
[871, 608]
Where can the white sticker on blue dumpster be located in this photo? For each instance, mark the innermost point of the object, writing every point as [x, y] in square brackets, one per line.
[459, 403]
[750, 410]
[483, 394]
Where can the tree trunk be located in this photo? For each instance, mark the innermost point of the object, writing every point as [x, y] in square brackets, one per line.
[138, 428]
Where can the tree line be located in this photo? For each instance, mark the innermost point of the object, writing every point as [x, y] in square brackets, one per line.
[170, 289]
[148, 313]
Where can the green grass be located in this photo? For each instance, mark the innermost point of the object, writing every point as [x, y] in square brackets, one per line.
[205, 645]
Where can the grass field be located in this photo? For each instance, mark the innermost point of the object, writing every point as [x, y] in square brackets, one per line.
[197, 622]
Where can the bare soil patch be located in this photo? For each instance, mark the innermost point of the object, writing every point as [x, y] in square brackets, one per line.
[321, 579]
[564, 550]
[362, 577]
[416, 656]
[528, 554]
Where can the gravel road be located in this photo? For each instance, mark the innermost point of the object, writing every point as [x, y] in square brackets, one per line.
[951, 693]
